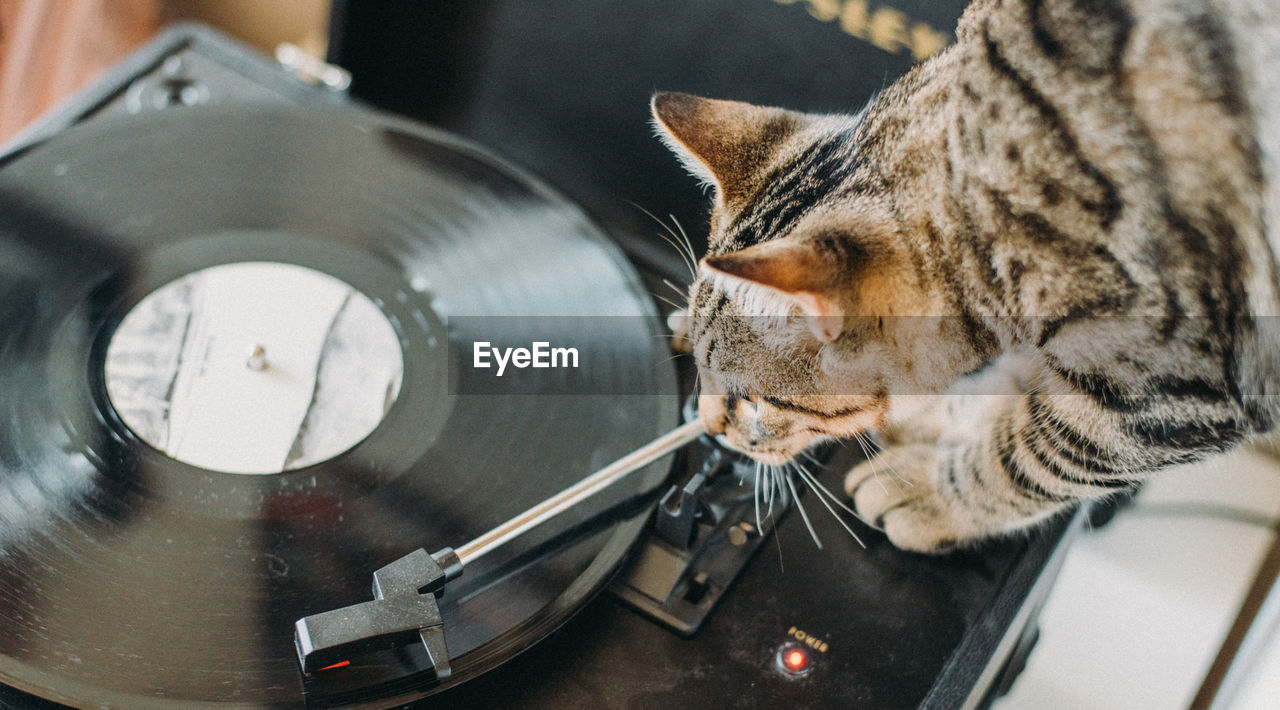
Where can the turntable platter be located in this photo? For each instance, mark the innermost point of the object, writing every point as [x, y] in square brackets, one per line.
[135, 575]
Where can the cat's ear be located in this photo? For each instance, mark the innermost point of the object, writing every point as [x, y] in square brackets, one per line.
[804, 270]
[723, 143]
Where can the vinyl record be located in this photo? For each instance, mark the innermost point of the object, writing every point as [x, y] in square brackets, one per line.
[149, 556]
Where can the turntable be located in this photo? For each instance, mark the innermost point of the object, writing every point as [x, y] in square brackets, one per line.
[197, 492]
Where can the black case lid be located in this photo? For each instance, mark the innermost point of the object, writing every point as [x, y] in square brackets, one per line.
[562, 86]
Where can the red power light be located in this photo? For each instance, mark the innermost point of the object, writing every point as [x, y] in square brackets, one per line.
[796, 660]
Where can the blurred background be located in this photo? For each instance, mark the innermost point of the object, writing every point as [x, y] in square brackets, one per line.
[51, 48]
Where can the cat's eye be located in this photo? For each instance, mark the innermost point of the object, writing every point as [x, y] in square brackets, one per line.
[733, 398]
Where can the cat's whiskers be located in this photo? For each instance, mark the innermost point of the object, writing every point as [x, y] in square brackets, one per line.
[680, 293]
[689, 263]
[807, 474]
[809, 456]
[768, 490]
[779, 487]
[818, 491]
[687, 242]
[669, 359]
[755, 493]
[885, 456]
[683, 248]
[870, 461]
[777, 476]
[667, 301]
[791, 486]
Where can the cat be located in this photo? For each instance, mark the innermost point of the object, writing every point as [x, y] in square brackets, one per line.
[1070, 214]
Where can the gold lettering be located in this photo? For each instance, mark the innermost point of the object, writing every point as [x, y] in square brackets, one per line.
[808, 639]
[853, 18]
[825, 10]
[926, 41]
[888, 29]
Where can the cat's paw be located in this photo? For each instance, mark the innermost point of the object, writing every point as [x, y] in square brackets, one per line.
[897, 491]
[900, 489]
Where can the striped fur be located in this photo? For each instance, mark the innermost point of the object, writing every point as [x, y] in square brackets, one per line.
[1083, 193]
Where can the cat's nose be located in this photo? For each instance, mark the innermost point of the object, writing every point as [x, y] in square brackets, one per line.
[713, 413]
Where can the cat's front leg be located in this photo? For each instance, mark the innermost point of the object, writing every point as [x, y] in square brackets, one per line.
[934, 486]
[977, 465]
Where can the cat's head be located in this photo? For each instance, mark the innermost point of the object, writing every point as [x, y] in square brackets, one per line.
[809, 318]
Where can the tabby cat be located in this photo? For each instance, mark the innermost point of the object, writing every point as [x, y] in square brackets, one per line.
[1078, 199]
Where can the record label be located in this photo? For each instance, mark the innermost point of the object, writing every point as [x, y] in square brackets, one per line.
[253, 368]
